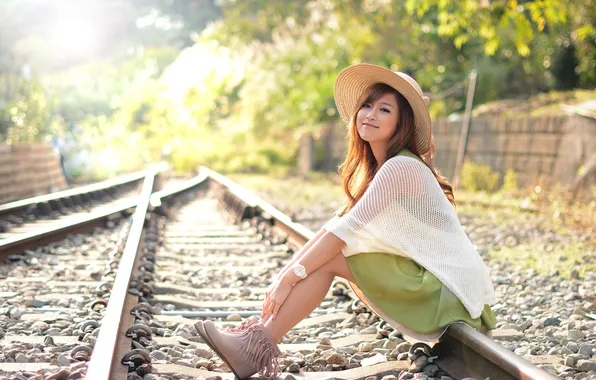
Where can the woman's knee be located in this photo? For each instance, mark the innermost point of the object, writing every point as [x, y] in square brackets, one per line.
[339, 267]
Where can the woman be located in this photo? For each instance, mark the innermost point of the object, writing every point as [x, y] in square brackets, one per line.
[398, 240]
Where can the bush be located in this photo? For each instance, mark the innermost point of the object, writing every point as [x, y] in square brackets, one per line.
[475, 177]
[510, 182]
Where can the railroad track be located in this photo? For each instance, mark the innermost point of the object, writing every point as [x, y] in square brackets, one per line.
[26, 223]
[205, 249]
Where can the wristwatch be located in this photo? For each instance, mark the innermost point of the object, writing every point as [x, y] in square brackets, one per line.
[300, 270]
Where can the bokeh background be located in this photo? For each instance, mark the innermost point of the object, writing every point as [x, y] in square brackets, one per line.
[114, 85]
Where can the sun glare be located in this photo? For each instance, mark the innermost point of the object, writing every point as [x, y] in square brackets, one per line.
[74, 37]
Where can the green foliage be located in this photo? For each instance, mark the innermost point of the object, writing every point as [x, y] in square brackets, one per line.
[510, 182]
[261, 74]
[28, 118]
[476, 177]
[491, 22]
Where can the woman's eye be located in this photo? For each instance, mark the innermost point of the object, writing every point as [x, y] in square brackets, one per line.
[366, 105]
[385, 110]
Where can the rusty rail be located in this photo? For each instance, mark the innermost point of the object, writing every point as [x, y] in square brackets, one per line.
[73, 195]
[59, 230]
[109, 344]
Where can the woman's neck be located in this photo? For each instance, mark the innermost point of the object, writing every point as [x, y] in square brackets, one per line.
[379, 150]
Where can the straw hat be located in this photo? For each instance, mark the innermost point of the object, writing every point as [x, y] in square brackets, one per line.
[353, 81]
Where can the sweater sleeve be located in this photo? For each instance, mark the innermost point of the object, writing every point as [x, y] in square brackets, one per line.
[399, 180]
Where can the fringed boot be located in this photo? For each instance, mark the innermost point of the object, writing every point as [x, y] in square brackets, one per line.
[247, 352]
[245, 324]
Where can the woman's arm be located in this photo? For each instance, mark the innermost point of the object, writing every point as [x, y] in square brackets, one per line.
[298, 256]
[322, 250]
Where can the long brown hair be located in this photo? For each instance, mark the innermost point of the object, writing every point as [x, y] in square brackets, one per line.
[360, 165]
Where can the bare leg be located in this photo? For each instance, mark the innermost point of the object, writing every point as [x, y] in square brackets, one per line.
[306, 295]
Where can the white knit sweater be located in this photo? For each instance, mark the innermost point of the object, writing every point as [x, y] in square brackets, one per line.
[405, 212]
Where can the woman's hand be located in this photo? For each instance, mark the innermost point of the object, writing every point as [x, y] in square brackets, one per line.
[275, 297]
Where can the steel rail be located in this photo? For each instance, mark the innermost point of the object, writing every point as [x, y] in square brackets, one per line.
[24, 204]
[157, 197]
[105, 358]
[464, 352]
[59, 230]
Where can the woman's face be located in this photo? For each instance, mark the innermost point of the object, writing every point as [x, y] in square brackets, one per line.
[377, 121]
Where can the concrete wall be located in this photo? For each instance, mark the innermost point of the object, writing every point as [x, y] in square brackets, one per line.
[542, 150]
[29, 170]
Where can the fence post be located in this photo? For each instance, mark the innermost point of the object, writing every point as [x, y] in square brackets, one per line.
[305, 154]
[463, 140]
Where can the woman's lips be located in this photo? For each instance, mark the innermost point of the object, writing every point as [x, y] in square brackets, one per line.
[369, 125]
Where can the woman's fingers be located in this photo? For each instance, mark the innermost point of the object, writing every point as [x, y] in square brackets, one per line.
[275, 311]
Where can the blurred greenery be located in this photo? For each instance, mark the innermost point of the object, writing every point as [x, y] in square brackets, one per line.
[234, 84]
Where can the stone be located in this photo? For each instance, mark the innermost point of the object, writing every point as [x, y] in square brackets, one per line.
[552, 321]
[369, 330]
[337, 359]
[403, 347]
[320, 330]
[63, 361]
[294, 368]
[389, 377]
[418, 364]
[203, 353]
[53, 332]
[326, 342]
[576, 334]
[586, 349]
[346, 350]
[324, 347]
[431, 370]
[586, 365]
[36, 303]
[174, 353]
[566, 351]
[234, 318]
[202, 362]
[186, 363]
[21, 358]
[365, 347]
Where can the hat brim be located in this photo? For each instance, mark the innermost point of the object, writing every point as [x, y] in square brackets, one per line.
[353, 81]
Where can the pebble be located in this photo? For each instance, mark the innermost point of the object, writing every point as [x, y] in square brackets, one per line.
[369, 330]
[337, 359]
[586, 365]
[365, 347]
[202, 353]
[63, 361]
[158, 355]
[418, 364]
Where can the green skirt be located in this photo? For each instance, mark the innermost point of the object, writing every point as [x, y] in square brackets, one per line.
[409, 297]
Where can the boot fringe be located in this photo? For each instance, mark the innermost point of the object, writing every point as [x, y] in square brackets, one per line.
[245, 324]
[261, 351]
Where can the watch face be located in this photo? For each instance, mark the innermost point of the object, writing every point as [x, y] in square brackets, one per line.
[300, 271]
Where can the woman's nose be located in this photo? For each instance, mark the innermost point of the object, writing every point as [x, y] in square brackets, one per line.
[371, 114]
